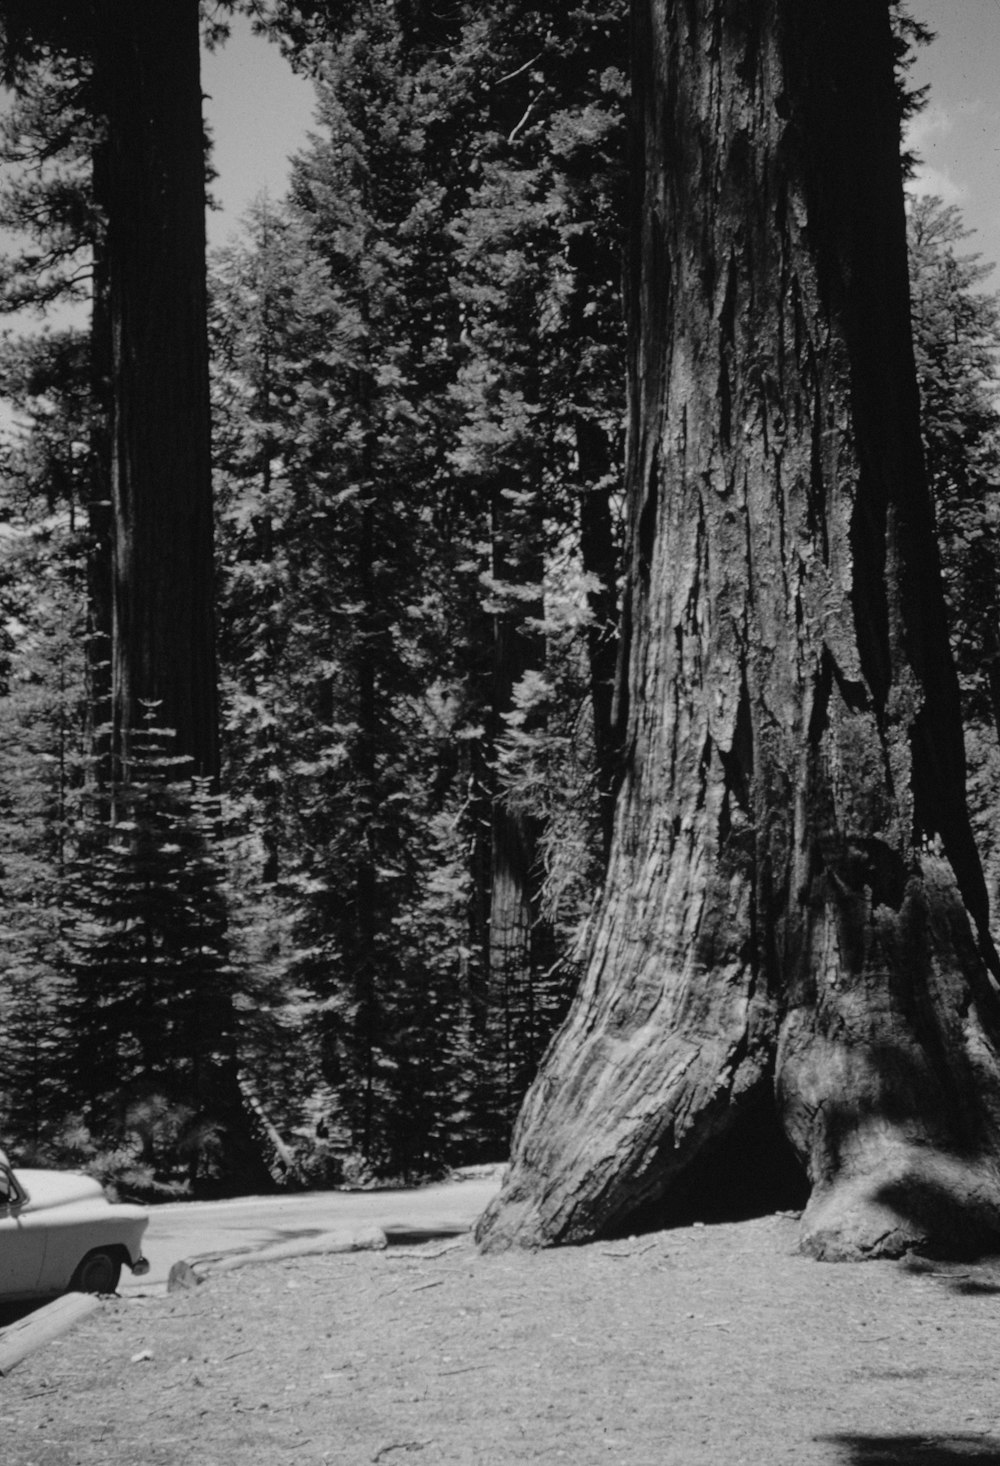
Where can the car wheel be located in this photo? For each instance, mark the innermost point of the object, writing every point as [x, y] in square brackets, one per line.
[97, 1273]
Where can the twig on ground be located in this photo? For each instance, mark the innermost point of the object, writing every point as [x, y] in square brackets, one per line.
[400, 1446]
[632, 1251]
[394, 1255]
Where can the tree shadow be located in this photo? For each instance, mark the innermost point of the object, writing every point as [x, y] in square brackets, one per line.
[962, 1226]
[975, 1287]
[748, 1170]
[917, 1450]
[980, 1281]
[11, 1313]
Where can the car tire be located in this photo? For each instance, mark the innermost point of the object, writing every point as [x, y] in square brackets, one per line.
[97, 1273]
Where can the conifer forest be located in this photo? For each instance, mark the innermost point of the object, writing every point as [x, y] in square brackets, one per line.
[324, 558]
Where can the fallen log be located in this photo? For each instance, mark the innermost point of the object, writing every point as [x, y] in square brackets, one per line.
[20, 1339]
[400, 1233]
[369, 1239]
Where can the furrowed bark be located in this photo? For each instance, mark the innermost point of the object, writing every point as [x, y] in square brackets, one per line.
[147, 76]
[795, 919]
[151, 356]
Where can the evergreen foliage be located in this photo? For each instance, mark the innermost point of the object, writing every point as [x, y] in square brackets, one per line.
[43, 735]
[152, 986]
[47, 133]
[956, 329]
[413, 478]
[956, 334]
[43, 720]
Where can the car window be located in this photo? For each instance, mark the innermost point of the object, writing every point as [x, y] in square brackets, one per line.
[10, 1192]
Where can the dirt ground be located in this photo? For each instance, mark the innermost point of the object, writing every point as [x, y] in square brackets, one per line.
[705, 1346]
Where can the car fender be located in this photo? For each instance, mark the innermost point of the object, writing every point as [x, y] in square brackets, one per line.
[74, 1230]
[68, 1215]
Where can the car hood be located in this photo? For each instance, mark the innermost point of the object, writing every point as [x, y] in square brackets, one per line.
[57, 1188]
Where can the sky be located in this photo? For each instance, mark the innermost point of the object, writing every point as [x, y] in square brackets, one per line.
[259, 113]
[958, 135]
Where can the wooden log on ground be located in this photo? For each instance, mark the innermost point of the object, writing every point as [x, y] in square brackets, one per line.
[39, 1328]
[398, 1233]
[369, 1239]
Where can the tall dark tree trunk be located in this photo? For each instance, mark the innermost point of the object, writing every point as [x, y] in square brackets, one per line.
[147, 76]
[795, 922]
[150, 170]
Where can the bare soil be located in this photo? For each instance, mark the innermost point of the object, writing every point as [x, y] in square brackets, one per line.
[702, 1346]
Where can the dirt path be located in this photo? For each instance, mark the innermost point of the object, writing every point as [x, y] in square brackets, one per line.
[193, 1229]
[708, 1346]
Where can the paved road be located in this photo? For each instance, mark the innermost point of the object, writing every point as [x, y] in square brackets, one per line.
[195, 1230]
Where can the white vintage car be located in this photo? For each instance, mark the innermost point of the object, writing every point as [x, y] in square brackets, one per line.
[58, 1231]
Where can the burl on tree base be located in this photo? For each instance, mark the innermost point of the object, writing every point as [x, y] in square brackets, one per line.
[794, 934]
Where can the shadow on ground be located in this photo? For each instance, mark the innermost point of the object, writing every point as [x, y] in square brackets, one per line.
[975, 1287]
[14, 1312]
[917, 1450]
[976, 1281]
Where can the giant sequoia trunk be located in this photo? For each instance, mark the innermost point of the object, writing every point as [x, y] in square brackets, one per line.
[151, 360]
[147, 80]
[794, 927]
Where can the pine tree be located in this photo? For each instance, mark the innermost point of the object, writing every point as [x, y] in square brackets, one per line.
[47, 136]
[462, 268]
[956, 329]
[536, 459]
[43, 712]
[327, 512]
[50, 148]
[155, 1058]
[42, 771]
[956, 326]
